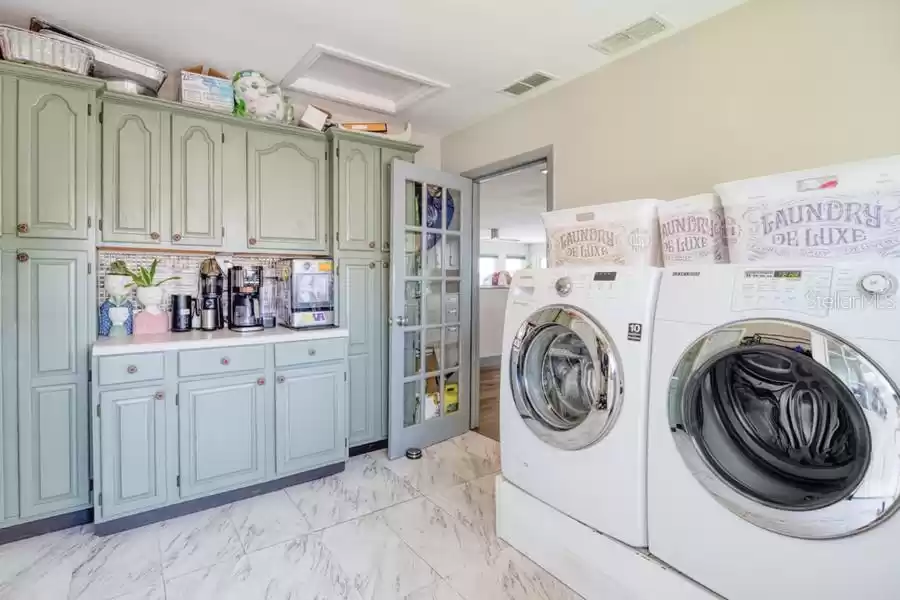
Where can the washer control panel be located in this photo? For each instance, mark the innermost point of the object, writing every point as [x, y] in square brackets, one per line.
[804, 290]
[878, 283]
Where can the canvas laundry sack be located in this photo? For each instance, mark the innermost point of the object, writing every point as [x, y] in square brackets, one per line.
[619, 233]
[692, 230]
[841, 212]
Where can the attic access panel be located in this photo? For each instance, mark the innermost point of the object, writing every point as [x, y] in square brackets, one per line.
[343, 77]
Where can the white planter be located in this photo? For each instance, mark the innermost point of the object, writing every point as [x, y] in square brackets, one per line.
[116, 285]
[150, 298]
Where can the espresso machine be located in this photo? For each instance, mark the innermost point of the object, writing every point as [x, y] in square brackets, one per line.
[243, 299]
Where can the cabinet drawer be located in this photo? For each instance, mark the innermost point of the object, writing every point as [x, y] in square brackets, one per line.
[131, 368]
[300, 353]
[192, 363]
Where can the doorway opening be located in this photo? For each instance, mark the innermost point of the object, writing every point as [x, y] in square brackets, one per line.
[509, 200]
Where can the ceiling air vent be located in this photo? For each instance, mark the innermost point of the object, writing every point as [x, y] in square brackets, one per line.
[526, 84]
[632, 36]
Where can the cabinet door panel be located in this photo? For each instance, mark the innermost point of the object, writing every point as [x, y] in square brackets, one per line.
[196, 182]
[52, 371]
[133, 446]
[131, 174]
[288, 201]
[361, 309]
[309, 417]
[359, 224]
[222, 423]
[388, 155]
[55, 174]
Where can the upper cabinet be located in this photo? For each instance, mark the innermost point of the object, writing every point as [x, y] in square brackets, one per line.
[197, 146]
[132, 184]
[51, 128]
[358, 221]
[287, 204]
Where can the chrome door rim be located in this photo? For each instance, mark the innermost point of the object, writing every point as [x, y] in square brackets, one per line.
[874, 396]
[604, 408]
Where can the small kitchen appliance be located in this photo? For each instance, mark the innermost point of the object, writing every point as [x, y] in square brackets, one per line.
[306, 293]
[181, 312]
[243, 301]
[212, 316]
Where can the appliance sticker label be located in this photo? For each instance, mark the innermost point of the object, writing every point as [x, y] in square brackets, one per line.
[635, 332]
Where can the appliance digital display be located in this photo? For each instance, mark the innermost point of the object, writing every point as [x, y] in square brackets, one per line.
[605, 276]
[788, 274]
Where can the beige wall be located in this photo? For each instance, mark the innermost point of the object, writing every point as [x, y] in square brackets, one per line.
[771, 86]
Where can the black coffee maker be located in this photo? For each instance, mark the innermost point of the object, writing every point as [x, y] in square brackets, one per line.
[243, 299]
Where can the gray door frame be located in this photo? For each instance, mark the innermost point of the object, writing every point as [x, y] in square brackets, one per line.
[479, 176]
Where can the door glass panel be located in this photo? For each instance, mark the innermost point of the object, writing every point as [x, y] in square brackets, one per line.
[433, 255]
[413, 311]
[451, 302]
[450, 356]
[413, 203]
[412, 415]
[452, 217]
[451, 392]
[452, 255]
[432, 349]
[413, 254]
[412, 354]
[433, 399]
[434, 207]
[433, 302]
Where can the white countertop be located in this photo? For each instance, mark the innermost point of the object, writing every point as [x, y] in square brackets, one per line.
[134, 344]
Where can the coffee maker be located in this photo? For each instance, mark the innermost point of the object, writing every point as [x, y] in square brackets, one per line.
[243, 299]
[212, 316]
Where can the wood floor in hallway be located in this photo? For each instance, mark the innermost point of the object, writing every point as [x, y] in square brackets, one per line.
[489, 419]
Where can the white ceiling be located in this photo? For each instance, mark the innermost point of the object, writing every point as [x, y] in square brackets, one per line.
[476, 47]
[513, 204]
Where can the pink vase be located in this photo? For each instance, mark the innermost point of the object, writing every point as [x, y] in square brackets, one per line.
[146, 323]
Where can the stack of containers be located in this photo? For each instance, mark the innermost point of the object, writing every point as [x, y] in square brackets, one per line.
[844, 212]
[693, 230]
[620, 233]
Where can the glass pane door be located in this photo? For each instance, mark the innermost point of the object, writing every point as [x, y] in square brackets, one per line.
[431, 287]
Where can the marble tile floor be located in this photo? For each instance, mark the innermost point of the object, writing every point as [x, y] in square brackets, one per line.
[414, 530]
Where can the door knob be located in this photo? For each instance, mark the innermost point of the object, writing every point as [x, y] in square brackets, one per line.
[22, 257]
[403, 321]
[158, 396]
[22, 228]
[176, 237]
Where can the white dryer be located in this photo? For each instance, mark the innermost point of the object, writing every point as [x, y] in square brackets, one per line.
[573, 401]
[774, 467]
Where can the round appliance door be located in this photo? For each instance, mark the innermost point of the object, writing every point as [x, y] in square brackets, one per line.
[789, 427]
[565, 377]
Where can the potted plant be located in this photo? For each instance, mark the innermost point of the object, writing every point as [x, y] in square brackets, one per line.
[117, 279]
[149, 292]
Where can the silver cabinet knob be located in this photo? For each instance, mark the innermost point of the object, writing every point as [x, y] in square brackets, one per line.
[312, 351]
[159, 396]
[371, 265]
[132, 369]
[280, 379]
[176, 237]
[371, 244]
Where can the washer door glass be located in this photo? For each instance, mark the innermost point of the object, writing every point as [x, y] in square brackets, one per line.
[565, 377]
[789, 427]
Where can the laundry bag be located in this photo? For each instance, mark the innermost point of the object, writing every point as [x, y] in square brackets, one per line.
[619, 233]
[837, 213]
[692, 230]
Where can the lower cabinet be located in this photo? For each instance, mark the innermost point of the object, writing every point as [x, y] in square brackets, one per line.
[222, 433]
[133, 450]
[309, 417]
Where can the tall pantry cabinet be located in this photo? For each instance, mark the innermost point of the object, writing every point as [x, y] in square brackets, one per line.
[361, 192]
[49, 178]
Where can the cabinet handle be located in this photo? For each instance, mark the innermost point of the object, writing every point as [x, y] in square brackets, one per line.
[261, 381]
[158, 396]
[22, 257]
[22, 228]
[371, 265]
[132, 369]
[225, 360]
[176, 237]
[154, 236]
[252, 241]
[312, 351]
[371, 244]
[280, 379]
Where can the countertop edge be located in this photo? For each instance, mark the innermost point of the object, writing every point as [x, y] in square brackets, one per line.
[171, 342]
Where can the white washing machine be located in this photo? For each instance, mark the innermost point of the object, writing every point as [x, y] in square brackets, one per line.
[573, 401]
[774, 467]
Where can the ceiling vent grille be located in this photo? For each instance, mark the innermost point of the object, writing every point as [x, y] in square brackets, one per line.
[631, 36]
[526, 84]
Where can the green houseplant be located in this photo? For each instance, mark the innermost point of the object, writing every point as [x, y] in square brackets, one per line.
[149, 292]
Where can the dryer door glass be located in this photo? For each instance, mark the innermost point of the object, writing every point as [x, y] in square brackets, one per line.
[789, 427]
[565, 377]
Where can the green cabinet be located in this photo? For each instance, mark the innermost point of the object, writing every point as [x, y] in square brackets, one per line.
[309, 416]
[54, 167]
[52, 326]
[287, 204]
[197, 146]
[387, 156]
[362, 312]
[222, 433]
[133, 161]
[133, 450]
[359, 220]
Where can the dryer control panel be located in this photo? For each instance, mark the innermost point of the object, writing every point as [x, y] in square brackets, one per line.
[805, 290]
